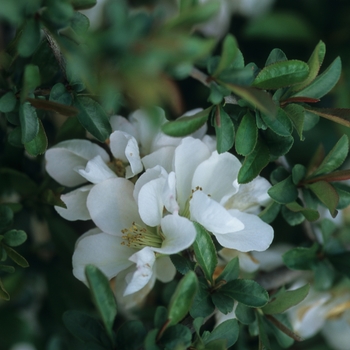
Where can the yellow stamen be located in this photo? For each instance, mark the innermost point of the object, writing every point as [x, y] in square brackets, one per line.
[139, 237]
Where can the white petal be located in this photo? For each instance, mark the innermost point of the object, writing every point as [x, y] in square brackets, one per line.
[216, 176]
[112, 206]
[150, 202]
[65, 156]
[96, 171]
[163, 157]
[210, 141]
[144, 259]
[122, 124]
[188, 155]
[337, 333]
[132, 153]
[169, 194]
[102, 250]
[179, 233]
[76, 204]
[256, 235]
[147, 176]
[247, 262]
[165, 269]
[213, 216]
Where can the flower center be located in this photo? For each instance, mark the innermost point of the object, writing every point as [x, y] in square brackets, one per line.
[118, 167]
[139, 237]
[186, 211]
[338, 310]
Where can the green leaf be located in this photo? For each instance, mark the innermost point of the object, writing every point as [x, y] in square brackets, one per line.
[296, 113]
[182, 299]
[246, 135]
[39, 144]
[29, 122]
[223, 302]
[186, 126]
[16, 257]
[344, 194]
[8, 102]
[324, 82]
[270, 212]
[202, 305]
[60, 95]
[292, 217]
[102, 296]
[131, 335]
[284, 192]
[310, 120]
[314, 63]
[160, 316]
[93, 117]
[14, 238]
[228, 330]
[205, 252]
[176, 337]
[245, 314]
[285, 337]
[3, 293]
[309, 214]
[247, 292]
[31, 80]
[327, 194]
[328, 227]
[298, 173]
[229, 50]
[182, 264]
[85, 327]
[341, 262]
[258, 98]
[83, 4]
[254, 163]
[281, 74]
[335, 158]
[277, 145]
[280, 124]
[337, 115]
[224, 130]
[230, 272]
[324, 275]
[7, 269]
[285, 300]
[276, 55]
[6, 217]
[301, 258]
[30, 38]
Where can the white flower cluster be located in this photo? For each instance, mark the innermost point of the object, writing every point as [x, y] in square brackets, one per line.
[145, 192]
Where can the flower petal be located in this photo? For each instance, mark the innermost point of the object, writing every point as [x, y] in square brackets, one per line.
[67, 155]
[188, 155]
[112, 206]
[214, 217]
[76, 204]
[165, 269]
[163, 157]
[179, 233]
[144, 259]
[216, 176]
[102, 250]
[256, 234]
[169, 194]
[96, 171]
[122, 124]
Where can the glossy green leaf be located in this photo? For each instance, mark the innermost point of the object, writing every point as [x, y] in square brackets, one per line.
[281, 74]
[6, 217]
[125, 340]
[182, 264]
[298, 173]
[222, 302]
[83, 4]
[16, 257]
[228, 330]
[341, 262]
[254, 163]
[260, 99]
[245, 314]
[230, 272]
[279, 124]
[310, 120]
[60, 94]
[301, 258]
[205, 252]
[224, 129]
[229, 50]
[277, 145]
[314, 63]
[309, 214]
[14, 238]
[270, 212]
[176, 337]
[93, 117]
[335, 158]
[202, 305]
[216, 96]
[246, 135]
[8, 102]
[186, 126]
[39, 144]
[102, 296]
[247, 292]
[30, 37]
[276, 55]
[182, 298]
[327, 194]
[324, 82]
[29, 122]
[264, 342]
[3, 293]
[293, 218]
[296, 113]
[285, 300]
[284, 192]
[31, 80]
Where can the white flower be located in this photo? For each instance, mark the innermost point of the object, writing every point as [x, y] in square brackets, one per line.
[202, 186]
[123, 239]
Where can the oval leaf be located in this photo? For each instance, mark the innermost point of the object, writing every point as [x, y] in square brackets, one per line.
[39, 144]
[30, 38]
[229, 50]
[8, 102]
[29, 122]
[224, 130]
[246, 136]
[280, 124]
[14, 238]
[284, 192]
[16, 257]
